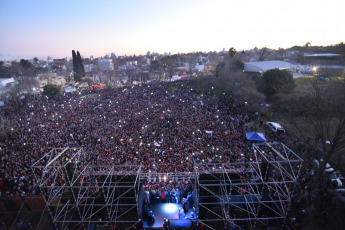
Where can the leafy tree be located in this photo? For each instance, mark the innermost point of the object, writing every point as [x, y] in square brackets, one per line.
[51, 90]
[25, 64]
[275, 81]
[232, 52]
[155, 65]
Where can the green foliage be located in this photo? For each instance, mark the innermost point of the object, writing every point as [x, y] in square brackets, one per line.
[51, 90]
[275, 81]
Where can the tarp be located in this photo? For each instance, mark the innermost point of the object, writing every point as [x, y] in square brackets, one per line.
[254, 136]
[71, 89]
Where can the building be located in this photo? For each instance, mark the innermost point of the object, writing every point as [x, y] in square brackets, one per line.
[263, 66]
[131, 63]
[105, 64]
[88, 68]
[6, 82]
[199, 67]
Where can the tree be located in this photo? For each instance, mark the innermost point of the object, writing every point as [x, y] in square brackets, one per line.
[78, 66]
[275, 81]
[27, 69]
[155, 66]
[232, 52]
[326, 109]
[307, 44]
[17, 99]
[219, 68]
[28, 83]
[25, 64]
[51, 90]
[237, 65]
[262, 54]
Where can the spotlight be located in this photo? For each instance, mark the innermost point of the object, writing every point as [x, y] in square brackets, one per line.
[170, 208]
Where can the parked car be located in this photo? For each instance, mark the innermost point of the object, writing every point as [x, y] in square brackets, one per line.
[332, 175]
[275, 127]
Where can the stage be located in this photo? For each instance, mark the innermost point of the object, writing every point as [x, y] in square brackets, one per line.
[167, 211]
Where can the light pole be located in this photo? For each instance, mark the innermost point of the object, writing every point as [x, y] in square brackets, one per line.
[315, 71]
[34, 89]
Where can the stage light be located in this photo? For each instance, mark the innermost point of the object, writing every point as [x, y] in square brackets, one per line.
[170, 208]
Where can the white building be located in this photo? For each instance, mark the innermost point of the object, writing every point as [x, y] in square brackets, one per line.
[105, 64]
[88, 68]
[199, 67]
[6, 82]
[131, 63]
[263, 66]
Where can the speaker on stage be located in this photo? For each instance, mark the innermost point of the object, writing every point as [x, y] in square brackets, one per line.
[181, 223]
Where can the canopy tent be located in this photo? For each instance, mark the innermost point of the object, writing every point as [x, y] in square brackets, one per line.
[254, 136]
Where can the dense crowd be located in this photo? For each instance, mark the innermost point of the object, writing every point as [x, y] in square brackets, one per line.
[164, 127]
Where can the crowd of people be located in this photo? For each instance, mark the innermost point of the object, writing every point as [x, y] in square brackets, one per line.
[166, 128]
[167, 191]
[163, 127]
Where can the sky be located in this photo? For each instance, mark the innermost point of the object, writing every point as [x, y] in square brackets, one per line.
[41, 28]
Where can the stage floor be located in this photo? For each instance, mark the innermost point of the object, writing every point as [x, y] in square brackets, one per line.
[167, 211]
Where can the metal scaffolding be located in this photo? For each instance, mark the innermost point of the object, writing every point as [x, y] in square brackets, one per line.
[250, 193]
[253, 191]
[80, 195]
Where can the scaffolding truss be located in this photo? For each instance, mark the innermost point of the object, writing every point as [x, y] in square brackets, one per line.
[81, 195]
[255, 191]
